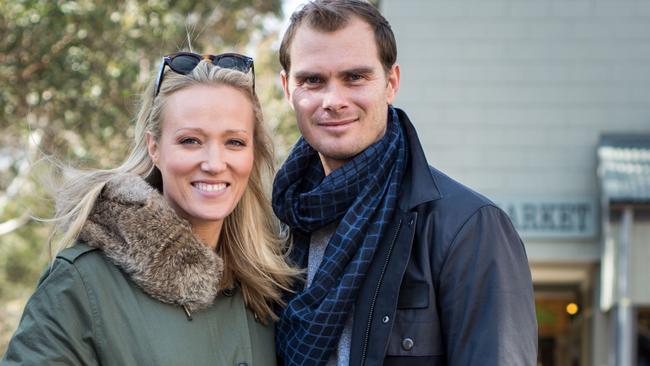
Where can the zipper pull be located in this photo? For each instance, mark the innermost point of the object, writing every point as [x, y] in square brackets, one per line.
[187, 312]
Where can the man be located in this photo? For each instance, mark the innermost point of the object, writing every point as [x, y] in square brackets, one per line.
[405, 266]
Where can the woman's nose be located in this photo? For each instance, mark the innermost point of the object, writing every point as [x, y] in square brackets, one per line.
[213, 163]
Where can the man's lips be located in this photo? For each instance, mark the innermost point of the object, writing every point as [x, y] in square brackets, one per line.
[337, 123]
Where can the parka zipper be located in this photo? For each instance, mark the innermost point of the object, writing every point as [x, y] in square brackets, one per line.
[188, 314]
[374, 298]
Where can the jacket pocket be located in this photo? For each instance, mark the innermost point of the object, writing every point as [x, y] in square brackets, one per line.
[414, 295]
[415, 339]
[416, 331]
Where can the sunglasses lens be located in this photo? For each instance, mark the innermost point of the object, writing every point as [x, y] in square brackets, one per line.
[233, 62]
[184, 64]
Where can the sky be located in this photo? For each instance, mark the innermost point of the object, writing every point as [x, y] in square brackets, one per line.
[288, 6]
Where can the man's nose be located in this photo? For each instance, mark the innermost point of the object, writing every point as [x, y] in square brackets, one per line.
[334, 98]
[213, 160]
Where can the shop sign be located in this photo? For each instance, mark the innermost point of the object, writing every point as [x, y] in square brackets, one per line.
[568, 218]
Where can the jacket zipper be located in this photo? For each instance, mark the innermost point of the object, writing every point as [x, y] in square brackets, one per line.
[374, 298]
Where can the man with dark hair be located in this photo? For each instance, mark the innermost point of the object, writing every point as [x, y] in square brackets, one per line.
[404, 265]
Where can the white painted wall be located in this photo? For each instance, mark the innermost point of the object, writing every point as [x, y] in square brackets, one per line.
[510, 96]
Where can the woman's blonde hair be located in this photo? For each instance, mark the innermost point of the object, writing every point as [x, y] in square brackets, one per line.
[251, 243]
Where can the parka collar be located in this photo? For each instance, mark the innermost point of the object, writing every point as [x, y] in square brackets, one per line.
[132, 223]
[419, 186]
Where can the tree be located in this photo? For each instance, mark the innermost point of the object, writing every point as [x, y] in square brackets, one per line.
[71, 72]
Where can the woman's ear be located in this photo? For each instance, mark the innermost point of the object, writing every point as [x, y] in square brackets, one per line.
[152, 147]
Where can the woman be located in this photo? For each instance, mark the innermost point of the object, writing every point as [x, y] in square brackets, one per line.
[176, 258]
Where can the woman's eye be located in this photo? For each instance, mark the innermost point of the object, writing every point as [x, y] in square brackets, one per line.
[189, 141]
[237, 143]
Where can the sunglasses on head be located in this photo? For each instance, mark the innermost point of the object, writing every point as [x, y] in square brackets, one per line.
[184, 62]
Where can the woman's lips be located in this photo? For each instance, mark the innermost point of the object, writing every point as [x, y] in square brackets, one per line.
[210, 189]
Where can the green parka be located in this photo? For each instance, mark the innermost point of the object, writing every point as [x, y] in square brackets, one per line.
[138, 289]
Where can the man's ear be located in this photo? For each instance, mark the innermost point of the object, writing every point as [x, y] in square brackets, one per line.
[284, 78]
[152, 147]
[393, 83]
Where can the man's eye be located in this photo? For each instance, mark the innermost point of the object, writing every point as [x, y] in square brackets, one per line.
[355, 77]
[312, 80]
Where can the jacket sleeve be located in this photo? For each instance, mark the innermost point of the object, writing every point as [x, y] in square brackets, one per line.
[486, 296]
[57, 326]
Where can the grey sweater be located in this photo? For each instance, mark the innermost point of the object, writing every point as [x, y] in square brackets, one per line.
[317, 245]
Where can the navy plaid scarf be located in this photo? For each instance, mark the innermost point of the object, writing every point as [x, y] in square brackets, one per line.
[363, 195]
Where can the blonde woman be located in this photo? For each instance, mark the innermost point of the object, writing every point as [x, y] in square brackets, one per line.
[172, 258]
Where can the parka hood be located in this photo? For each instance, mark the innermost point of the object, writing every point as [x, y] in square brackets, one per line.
[132, 223]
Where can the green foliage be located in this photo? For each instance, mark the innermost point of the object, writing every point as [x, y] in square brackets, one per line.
[71, 73]
[73, 68]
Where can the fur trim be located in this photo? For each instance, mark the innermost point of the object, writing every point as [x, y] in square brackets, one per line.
[139, 232]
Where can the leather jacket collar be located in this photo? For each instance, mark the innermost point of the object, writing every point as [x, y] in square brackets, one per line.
[418, 174]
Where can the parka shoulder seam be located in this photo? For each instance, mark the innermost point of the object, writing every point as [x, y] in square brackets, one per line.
[73, 257]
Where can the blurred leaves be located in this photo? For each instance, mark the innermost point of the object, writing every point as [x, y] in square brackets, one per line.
[73, 68]
[70, 76]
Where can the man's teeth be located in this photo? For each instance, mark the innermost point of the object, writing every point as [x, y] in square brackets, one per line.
[210, 187]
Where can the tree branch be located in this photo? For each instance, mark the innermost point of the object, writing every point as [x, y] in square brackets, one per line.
[13, 224]
[20, 180]
[42, 63]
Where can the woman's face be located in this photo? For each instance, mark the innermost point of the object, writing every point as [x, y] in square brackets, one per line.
[205, 152]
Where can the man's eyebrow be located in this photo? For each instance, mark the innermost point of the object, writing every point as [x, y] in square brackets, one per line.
[307, 74]
[362, 70]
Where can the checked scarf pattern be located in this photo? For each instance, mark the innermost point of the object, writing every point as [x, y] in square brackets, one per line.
[362, 194]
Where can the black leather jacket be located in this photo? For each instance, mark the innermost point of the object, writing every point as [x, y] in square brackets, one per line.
[450, 285]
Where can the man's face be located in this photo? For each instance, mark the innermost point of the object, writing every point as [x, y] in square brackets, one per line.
[339, 90]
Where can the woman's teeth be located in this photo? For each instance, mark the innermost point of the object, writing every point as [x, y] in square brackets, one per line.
[210, 187]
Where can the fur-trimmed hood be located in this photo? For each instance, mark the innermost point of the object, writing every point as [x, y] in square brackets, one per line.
[139, 232]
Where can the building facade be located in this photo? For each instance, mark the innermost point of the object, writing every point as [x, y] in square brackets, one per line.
[514, 98]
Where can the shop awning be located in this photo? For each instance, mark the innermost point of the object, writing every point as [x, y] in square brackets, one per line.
[624, 167]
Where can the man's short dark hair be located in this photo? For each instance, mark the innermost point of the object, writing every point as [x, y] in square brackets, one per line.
[332, 15]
